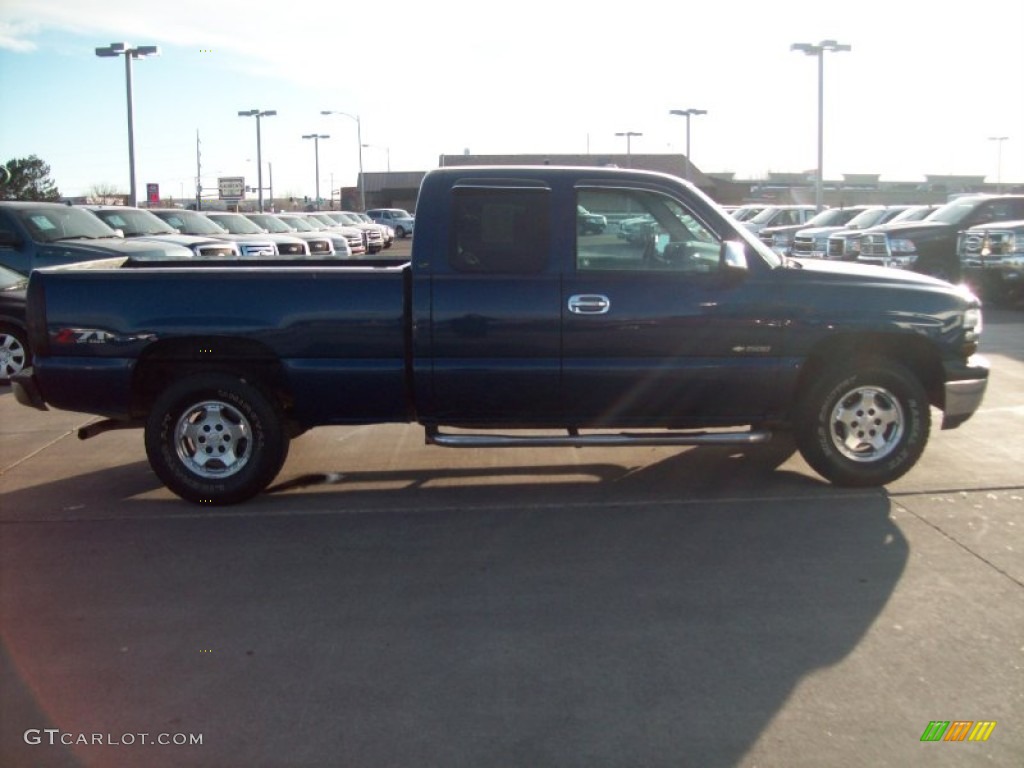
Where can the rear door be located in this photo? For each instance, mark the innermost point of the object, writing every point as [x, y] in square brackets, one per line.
[495, 346]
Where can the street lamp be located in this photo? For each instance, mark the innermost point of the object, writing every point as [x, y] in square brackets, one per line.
[999, 161]
[629, 145]
[257, 113]
[687, 113]
[819, 50]
[129, 52]
[359, 138]
[316, 151]
[386, 149]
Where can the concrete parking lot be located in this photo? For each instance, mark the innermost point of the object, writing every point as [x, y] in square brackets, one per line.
[394, 604]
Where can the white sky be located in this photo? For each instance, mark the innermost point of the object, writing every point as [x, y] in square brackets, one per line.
[923, 89]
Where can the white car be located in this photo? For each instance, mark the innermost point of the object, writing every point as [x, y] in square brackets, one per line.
[237, 224]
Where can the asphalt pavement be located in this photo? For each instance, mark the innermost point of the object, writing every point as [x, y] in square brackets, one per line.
[389, 603]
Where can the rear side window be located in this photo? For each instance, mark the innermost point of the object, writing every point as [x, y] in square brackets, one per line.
[500, 231]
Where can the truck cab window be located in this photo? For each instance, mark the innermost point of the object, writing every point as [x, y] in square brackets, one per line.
[500, 231]
[644, 232]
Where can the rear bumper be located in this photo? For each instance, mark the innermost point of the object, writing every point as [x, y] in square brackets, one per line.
[26, 391]
[965, 387]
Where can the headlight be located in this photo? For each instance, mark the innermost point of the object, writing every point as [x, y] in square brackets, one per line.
[902, 245]
[972, 320]
[901, 262]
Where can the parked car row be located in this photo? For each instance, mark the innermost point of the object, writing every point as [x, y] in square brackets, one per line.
[978, 239]
[37, 234]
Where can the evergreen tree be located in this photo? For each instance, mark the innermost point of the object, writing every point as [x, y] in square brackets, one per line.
[27, 178]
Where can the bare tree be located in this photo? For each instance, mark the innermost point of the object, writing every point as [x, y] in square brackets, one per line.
[105, 193]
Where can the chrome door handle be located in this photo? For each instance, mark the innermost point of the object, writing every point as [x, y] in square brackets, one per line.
[589, 304]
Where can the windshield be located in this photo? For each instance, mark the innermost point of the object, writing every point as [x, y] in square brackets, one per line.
[59, 222]
[954, 212]
[135, 222]
[298, 223]
[747, 212]
[191, 223]
[764, 216]
[914, 214]
[326, 222]
[346, 218]
[236, 224]
[867, 218]
[11, 280]
[270, 223]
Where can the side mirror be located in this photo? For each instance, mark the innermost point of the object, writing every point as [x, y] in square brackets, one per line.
[119, 233]
[734, 255]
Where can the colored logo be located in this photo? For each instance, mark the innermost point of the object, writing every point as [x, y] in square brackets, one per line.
[958, 730]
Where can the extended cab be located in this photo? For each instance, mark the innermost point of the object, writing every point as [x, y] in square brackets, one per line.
[509, 323]
[929, 246]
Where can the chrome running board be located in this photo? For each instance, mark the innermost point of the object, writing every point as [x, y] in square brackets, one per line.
[600, 440]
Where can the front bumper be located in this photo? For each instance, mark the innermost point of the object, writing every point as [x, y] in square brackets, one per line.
[965, 387]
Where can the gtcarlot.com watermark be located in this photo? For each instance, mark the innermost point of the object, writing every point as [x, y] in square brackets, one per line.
[54, 737]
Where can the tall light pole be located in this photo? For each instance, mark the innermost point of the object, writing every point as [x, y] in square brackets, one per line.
[129, 52]
[316, 151]
[999, 161]
[359, 138]
[629, 145]
[258, 113]
[688, 113]
[386, 149]
[819, 50]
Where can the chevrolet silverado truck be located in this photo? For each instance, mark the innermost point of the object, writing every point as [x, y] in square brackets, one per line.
[929, 246]
[508, 328]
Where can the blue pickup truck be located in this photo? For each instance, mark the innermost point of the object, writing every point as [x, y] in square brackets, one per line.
[508, 323]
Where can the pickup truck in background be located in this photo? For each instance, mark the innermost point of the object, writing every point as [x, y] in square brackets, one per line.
[37, 234]
[509, 323]
[992, 260]
[929, 246]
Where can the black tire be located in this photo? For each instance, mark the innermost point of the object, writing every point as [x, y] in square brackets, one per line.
[215, 439]
[864, 426]
[400, 233]
[14, 355]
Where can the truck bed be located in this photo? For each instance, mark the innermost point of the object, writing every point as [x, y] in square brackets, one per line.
[325, 326]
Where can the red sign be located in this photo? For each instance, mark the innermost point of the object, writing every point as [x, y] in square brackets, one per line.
[153, 193]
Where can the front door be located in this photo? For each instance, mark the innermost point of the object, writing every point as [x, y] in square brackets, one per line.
[650, 335]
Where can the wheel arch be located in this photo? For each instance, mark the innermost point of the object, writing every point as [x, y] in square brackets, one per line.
[915, 353]
[166, 361]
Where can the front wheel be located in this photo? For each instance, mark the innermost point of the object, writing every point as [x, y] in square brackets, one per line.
[215, 439]
[400, 233]
[864, 426]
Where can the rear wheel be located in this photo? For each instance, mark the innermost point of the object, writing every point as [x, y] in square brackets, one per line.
[215, 438]
[863, 426]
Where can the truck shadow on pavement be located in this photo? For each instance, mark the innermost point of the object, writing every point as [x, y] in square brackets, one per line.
[631, 627]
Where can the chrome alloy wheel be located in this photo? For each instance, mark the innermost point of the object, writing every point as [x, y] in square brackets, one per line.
[213, 439]
[867, 424]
